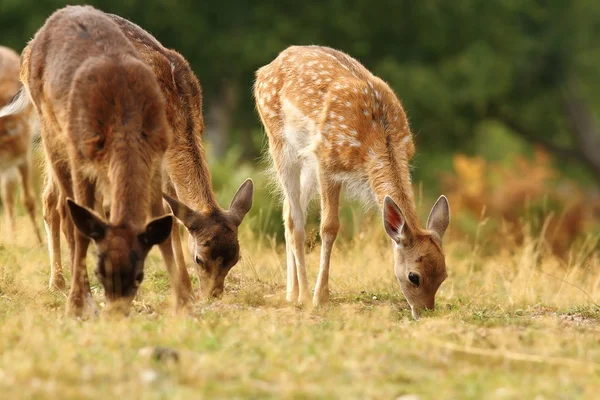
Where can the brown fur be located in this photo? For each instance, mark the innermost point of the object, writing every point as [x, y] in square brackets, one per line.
[15, 143]
[213, 241]
[104, 128]
[331, 122]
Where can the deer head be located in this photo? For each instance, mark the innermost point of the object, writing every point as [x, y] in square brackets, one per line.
[212, 239]
[419, 261]
[121, 249]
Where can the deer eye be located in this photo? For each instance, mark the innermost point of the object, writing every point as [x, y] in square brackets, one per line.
[199, 261]
[414, 278]
[420, 259]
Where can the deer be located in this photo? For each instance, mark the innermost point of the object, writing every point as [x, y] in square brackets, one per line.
[212, 231]
[330, 122]
[15, 144]
[104, 129]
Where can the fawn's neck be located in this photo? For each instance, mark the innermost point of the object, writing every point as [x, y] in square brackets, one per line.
[190, 176]
[390, 176]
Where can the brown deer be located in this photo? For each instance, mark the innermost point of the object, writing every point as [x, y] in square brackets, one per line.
[213, 238]
[104, 128]
[331, 122]
[15, 143]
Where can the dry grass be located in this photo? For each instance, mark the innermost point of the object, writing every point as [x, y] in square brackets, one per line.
[511, 325]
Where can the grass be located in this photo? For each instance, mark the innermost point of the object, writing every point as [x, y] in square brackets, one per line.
[518, 324]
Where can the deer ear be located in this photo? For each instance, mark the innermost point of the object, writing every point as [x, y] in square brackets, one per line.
[182, 212]
[394, 221]
[241, 202]
[86, 221]
[157, 231]
[439, 217]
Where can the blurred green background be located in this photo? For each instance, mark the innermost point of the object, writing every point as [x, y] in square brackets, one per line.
[484, 84]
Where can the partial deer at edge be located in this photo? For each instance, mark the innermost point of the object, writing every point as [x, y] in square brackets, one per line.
[103, 127]
[330, 122]
[16, 132]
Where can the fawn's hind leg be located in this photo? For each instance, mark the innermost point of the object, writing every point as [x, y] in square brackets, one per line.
[28, 197]
[297, 197]
[7, 192]
[52, 222]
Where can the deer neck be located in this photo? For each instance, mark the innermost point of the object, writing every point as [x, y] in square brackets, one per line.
[190, 176]
[130, 193]
[390, 176]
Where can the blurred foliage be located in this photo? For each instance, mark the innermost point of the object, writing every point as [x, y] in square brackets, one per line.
[476, 78]
[518, 199]
[454, 64]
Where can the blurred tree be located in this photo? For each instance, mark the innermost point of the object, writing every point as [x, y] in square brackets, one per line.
[528, 64]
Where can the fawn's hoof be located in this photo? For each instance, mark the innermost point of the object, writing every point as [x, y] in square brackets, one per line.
[321, 298]
[57, 282]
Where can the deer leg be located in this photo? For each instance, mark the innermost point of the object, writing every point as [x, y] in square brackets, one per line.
[52, 223]
[57, 174]
[294, 222]
[7, 191]
[176, 244]
[84, 191]
[330, 226]
[178, 275]
[292, 276]
[28, 198]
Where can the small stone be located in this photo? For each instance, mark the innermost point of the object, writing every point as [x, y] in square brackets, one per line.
[408, 397]
[158, 353]
[148, 375]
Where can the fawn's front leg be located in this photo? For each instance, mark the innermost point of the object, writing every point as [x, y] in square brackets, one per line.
[84, 191]
[178, 275]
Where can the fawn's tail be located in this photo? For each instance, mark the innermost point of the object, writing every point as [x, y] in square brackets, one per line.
[18, 103]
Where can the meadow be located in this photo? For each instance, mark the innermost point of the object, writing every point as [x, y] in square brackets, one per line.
[512, 321]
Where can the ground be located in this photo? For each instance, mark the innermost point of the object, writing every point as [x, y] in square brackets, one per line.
[518, 324]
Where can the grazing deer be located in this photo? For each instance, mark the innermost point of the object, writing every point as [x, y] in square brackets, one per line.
[331, 122]
[213, 231]
[104, 127]
[15, 143]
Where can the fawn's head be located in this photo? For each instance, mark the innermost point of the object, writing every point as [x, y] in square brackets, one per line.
[121, 249]
[213, 237]
[420, 265]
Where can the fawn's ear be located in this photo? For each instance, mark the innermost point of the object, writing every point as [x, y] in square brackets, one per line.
[241, 202]
[394, 222]
[439, 217]
[86, 221]
[182, 212]
[157, 231]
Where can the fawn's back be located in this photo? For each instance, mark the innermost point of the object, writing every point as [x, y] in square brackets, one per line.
[316, 100]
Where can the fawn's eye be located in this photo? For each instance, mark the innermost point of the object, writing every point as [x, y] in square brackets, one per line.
[414, 278]
[199, 261]
[420, 259]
